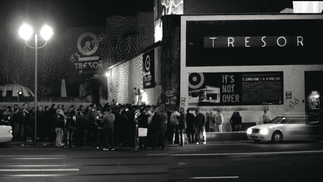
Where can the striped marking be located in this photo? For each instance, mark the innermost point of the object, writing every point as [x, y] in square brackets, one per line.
[39, 170]
[35, 175]
[33, 157]
[214, 177]
[233, 154]
[29, 156]
[251, 153]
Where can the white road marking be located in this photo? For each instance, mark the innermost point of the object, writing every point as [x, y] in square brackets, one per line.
[38, 170]
[215, 177]
[34, 175]
[32, 156]
[233, 154]
[25, 166]
[249, 153]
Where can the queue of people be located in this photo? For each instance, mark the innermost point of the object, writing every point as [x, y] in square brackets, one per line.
[114, 125]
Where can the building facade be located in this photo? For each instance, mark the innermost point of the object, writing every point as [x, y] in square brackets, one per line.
[247, 63]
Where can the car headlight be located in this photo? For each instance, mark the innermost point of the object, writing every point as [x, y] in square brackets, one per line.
[263, 131]
[249, 131]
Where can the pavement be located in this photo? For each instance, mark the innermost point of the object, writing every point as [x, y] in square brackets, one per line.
[210, 137]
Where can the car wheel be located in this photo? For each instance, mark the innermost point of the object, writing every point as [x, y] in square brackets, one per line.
[277, 137]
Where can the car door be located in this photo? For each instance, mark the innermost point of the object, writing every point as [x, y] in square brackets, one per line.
[296, 129]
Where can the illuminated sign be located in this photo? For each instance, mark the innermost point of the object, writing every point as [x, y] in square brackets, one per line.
[253, 41]
[148, 70]
[235, 88]
[87, 45]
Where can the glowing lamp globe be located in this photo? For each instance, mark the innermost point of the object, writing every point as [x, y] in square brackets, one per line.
[46, 32]
[25, 31]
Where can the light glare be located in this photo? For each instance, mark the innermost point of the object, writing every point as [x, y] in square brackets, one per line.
[46, 32]
[264, 131]
[25, 31]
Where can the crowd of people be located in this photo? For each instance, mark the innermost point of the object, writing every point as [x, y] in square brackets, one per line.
[111, 125]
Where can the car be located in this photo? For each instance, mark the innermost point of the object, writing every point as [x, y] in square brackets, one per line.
[5, 131]
[285, 128]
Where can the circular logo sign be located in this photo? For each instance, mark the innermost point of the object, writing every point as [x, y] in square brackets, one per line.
[147, 63]
[87, 43]
[196, 80]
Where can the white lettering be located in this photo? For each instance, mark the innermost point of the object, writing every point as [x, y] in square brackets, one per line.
[230, 41]
[246, 40]
[300, 41]
[230, 98]
[88, 65]
[281, 38]
[228, 88]
[263, 41]
[212, 39]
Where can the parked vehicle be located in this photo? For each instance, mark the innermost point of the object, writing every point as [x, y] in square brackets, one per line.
[286, 127]
[5, 131]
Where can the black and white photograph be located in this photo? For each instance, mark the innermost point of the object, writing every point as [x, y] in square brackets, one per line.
[161, 90]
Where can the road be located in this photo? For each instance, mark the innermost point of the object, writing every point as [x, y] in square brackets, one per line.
[215, 161]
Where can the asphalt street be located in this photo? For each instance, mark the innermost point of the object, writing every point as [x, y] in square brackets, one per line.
[214, 161]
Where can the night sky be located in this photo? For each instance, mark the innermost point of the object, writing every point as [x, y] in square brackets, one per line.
[64, 14]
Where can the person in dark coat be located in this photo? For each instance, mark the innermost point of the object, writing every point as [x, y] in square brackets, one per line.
[16, 120]
[190, 124]
[70, 128]
[181, 126]
[142, 128]
[159, 122]
[80, 126]
[40, 124]
[200, 125]
[59, 127]
[51, 128]
[108, 127]
[236, 121]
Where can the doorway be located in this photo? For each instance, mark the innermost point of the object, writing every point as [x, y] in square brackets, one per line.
[313, 95]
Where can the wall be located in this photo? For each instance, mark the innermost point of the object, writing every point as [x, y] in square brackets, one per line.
[293, 76]
[127, 77]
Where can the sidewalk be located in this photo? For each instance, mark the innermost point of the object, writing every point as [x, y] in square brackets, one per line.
[210, 137]
[229, 136]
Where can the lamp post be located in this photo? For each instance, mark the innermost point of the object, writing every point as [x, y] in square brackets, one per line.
[26, 32]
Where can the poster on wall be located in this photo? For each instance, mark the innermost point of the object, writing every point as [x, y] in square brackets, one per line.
[235, 88]
[148, 70]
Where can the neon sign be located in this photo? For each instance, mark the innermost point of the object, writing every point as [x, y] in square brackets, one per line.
[253, 41]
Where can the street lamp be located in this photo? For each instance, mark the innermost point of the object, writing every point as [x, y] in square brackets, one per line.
[26, 32]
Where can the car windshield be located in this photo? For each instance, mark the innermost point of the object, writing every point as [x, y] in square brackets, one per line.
[277, 120]
[4, 121]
